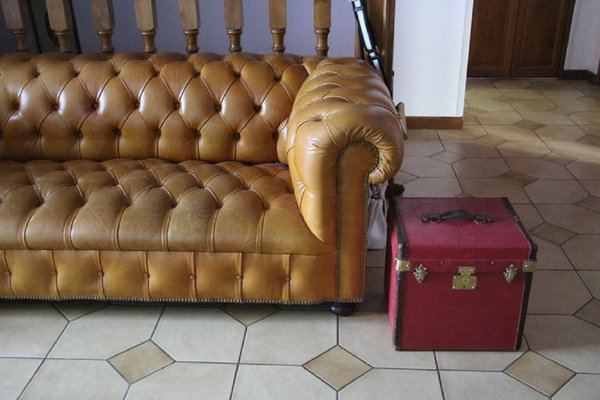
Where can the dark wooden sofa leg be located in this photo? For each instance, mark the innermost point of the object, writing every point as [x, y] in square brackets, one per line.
[343, 309]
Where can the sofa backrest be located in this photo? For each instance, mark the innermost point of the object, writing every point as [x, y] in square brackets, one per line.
[170, 106]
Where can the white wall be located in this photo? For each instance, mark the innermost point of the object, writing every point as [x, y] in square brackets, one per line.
[583, 51]
[430, 56]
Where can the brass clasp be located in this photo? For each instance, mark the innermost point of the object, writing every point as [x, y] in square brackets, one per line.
[466, 280]
[420, 273]
[509, 273]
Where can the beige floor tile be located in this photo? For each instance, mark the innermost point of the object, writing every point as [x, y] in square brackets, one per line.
[586, 118]
[337, 367]
[533, 105]
[584, 251]
[186, 381]
[15, 373]
[289, 337]
[422, 148]
[563, 93]
[526, 124]
[516, 178]
[494, 187]
[567, 340]
[470, 148]
[552, 233]
[92, 336]
[248, 314]
[590, 312]
[528, 215]
[470, 120]
[76, 309]
[578, 104]
[575, 150]
[448, 157]
[560, 133]
[490, 140]
[592, 186]
[75, 379]
[478, 360]
[557, 292]
[427, 167]
[580, 387]
[462, 385]
[482, 93]
[571, 217]
[468, 132]
[480, 168]
[590, 140]
[591, 203]
[499, 118]
[555, 191]
[537, 168]
[422, 134]
[585, 169]
[546, 118]
[432, 187]
[538, 372]
[268, 382]
[558, 159]
[140, 361]
[489, 105]
[512, 133]
[28, 329]
[368, 336]
[199, 334]
[591, 129]
[394, 385]
[523, 150]
[525, 94]
[512, 83]
[592, 281]
[550, 256]
[402, 178]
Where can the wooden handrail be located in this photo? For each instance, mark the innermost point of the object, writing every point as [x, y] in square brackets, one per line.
[104, 22]
[234, 23]
[190, 22]
[145, 15]
[322, 24]
[278, 23]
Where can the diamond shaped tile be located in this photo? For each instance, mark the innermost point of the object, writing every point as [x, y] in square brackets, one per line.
[248, 314]
[448, 157]
[516, 178]
[529, 125]
[591, 202]
[552, 233]
[590, 312]
[592, 186]
[140, 361]
[337, 367]
[540, 373]
[580, 387]
[592, 281]
[557, 159]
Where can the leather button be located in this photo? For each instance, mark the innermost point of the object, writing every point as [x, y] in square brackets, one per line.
[238, 277]
[136, 104]
[257, 108]
[146, 275]
[117, 132]
[8, 273]
[236, 136]
[192, 277]
[100, 274]
[287, 279]
[217, 107]
[176, 104]
[275, 135]
[55, 106]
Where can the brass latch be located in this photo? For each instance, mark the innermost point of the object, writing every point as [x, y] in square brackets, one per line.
[466, 280]
[529, 266]
[402, 265]
[509, 273]
[420, 273]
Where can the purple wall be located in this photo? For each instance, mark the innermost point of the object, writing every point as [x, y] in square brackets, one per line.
[212, 36]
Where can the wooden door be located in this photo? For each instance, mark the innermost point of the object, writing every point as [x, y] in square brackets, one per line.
[519, 38]
[492, 37]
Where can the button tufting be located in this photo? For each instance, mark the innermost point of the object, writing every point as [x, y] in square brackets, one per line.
[275, 135]
[136, 104]
[287, 279]
[146, 275]
[218, 107]
[7, 273]
[238, 277]
[257, 108]
[192, 277]
[236, 136]
[117, 132]
[100, 274]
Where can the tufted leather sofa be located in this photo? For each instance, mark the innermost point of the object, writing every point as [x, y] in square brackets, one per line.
[237, 178]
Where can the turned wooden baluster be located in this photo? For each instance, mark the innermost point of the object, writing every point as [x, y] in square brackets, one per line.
[145, 15]
[104, 22]
[322, 22]
[278, 23]
[234, 22]
[190, 22]
[59, 16]
[15, 19]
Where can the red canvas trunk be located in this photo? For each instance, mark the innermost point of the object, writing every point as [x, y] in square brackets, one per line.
[474, 274]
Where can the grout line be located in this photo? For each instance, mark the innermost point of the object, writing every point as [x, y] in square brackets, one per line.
[237, 365]
[439, 375]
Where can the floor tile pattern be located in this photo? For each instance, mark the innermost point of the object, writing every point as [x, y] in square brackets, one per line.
[536, 142]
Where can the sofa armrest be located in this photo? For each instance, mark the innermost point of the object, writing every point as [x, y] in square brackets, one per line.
[343, 132]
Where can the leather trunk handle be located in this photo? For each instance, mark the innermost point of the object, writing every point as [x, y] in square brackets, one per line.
[457, 215]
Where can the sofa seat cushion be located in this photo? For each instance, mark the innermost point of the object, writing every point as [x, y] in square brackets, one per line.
[151, 205]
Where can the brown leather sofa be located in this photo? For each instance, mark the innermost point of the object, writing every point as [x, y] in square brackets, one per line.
[238, 178]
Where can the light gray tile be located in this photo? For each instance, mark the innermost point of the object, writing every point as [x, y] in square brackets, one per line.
[394, 385]
[14, 375]
[461, 385]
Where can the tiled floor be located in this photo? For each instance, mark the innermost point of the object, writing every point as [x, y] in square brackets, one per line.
[535, 141]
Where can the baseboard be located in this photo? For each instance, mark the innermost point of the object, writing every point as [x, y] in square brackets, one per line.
[581, 74]
[434, 122]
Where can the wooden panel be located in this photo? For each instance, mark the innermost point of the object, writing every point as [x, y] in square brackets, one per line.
[434, 122]
[539, 38]
[15, 19]
[190, 22]
[234, 23]
[145, 15]
[104, 22]
[59, 16]
[278, 23]
[492, 37]
[322, 25]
